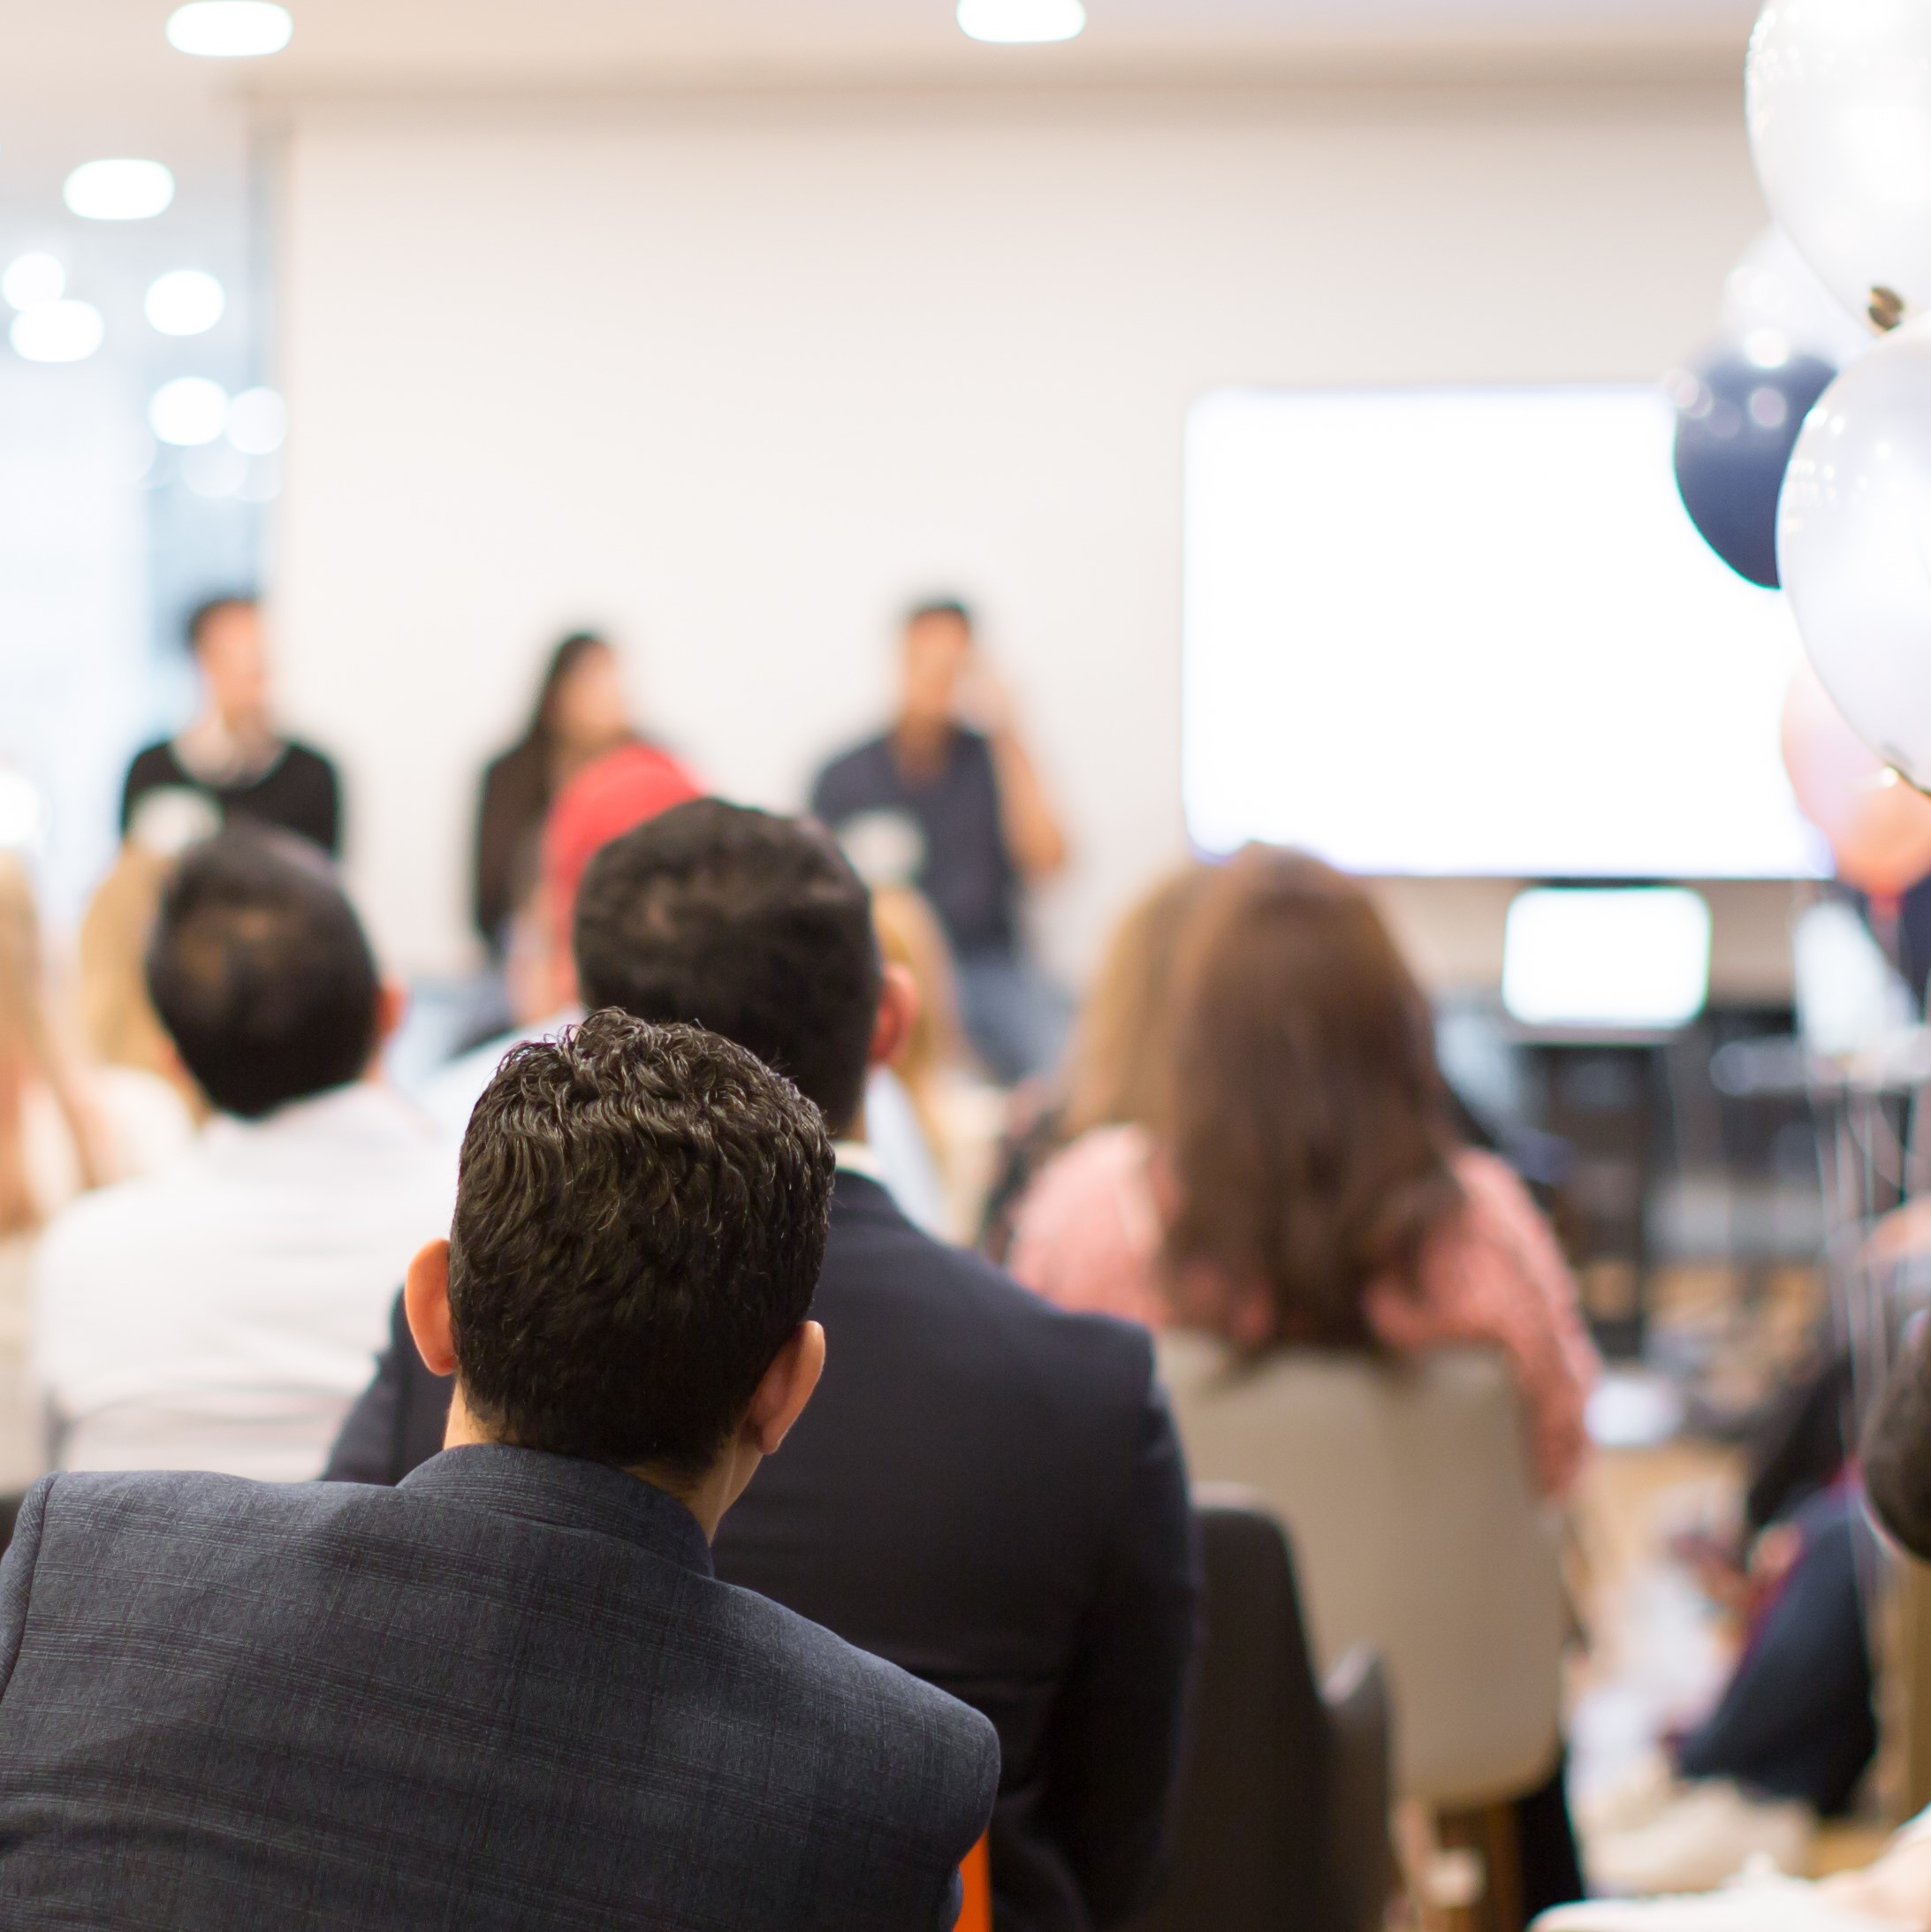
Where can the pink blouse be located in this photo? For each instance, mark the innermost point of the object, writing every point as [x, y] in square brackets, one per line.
[1087, 1237]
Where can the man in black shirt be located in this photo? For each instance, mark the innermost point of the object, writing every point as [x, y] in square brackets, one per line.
[961, 814]
[232, 755]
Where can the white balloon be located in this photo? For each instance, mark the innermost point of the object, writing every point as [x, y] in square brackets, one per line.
[1839, 98]
[1772, 291]
[1854, 547]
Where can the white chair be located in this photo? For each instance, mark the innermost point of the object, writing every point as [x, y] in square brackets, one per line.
[1418, 1533]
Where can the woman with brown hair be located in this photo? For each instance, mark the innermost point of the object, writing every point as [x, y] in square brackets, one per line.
[1113, 1079]
[1305, 1185]
[581, 713]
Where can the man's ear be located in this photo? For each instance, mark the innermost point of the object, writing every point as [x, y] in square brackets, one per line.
[787, 1387]
[898, 1014]
[425, 1302]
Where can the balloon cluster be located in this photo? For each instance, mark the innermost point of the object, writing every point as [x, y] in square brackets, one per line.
[1838, 99]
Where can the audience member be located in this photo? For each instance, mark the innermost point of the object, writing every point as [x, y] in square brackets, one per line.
[1314, 1189]
[580, 713]
[1114, 1080]
[222, 1314]
[509, 1694]
[961, 813]
[62, 1131]
[1895, 1891]
[931, 1119]
[620, 789]
[231, 754]
[986, 1490]
[118, 1019]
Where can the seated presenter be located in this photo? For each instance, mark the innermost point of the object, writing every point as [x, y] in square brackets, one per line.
[232, 757]
[956, 808]
[509, 1695]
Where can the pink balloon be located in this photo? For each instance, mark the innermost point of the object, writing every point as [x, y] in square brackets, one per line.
[1879, 826]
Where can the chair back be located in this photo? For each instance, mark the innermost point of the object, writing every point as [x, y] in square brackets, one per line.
[1419, 1533]
[1259, 1825]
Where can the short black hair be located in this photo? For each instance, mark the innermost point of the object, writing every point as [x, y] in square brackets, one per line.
[640, 1222]
[749, 924]
[211, 607]
[938, 607]
[260, 973]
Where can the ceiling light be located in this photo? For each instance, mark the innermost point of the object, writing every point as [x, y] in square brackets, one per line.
[190, 410]
[57, 331]
[257, 421]
[118, 190]
[32, 279]
[1021, 20]
[230, 29]
[184, 302]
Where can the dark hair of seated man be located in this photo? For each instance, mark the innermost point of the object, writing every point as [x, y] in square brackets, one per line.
[753, 925]
[260, 973]
[640, 1223]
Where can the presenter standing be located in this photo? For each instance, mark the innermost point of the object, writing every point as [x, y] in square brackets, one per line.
[957, 809]
[232, 758]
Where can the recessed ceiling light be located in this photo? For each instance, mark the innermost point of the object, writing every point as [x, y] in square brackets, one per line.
[32, 279]
[118, 190]
[188, 411]
[230, 29]
[1022, 20]
[257, 421]
[56, 332]
[184, 302]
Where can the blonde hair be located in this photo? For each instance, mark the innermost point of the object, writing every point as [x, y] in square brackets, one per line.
[1119, 1065]
[117, 1020]
[29, 1053]
[909, 935]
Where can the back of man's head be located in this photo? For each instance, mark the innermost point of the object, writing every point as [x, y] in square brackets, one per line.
[261, 974]
[753, 925]
[640, 1222]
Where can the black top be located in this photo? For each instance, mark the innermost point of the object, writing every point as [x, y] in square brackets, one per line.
[298, 792]
[963, 865]
[516, 794]
[508, 1695]
[988, 1492]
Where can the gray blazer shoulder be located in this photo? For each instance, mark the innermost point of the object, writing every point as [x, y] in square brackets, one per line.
[508, 1694]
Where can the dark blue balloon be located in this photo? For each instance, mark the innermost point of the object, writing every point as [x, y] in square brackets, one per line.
[1738, 416]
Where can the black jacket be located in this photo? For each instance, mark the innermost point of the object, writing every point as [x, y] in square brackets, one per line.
[988, 1492]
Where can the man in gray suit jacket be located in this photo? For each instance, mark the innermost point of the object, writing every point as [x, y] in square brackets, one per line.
[508, 1693]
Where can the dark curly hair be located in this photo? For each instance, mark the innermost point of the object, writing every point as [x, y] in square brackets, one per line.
[640, 1221]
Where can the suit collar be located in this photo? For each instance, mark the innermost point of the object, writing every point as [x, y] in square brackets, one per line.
[568, 1493]
[854, 1192]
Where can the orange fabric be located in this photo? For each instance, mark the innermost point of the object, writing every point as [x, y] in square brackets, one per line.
[604, 801]
[976, 1914]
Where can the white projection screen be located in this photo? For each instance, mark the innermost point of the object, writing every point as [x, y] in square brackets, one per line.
[1472, 632]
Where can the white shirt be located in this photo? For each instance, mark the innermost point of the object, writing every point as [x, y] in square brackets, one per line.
[223, 1314]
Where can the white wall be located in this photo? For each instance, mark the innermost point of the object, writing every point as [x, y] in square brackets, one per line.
[738, 374]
